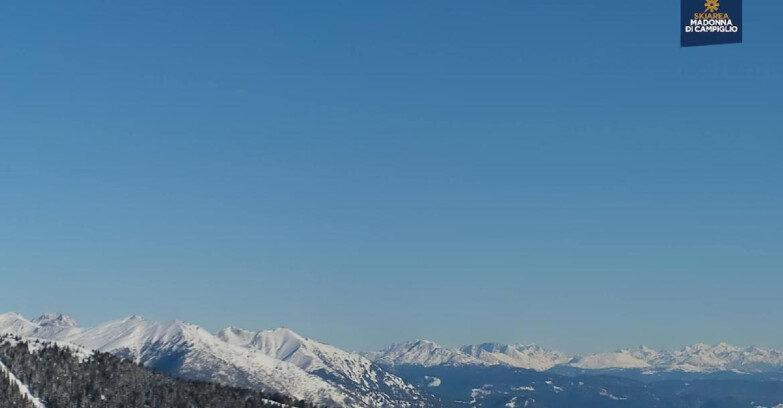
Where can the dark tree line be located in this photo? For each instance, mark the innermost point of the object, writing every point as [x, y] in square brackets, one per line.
[62, 380]
[10, 396]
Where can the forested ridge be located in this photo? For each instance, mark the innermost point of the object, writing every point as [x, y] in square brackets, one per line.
[62, 378]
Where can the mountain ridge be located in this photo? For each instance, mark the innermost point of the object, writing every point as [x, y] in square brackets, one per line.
[698, 358]
[189, 351]
[283, 361]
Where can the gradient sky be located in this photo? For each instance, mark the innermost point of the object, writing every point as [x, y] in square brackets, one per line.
[369, 172]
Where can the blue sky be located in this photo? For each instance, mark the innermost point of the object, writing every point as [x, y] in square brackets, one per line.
[372, 172]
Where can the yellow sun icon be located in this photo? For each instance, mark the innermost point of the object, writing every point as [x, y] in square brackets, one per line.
[711, 6]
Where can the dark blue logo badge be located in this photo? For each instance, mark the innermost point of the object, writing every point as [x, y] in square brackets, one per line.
[708, 22]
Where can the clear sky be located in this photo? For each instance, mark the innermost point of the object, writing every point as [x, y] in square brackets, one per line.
[369, 172]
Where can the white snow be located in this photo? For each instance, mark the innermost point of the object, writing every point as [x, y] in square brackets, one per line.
[55, 320]
[14, 323]
[423, 353]
[620, 359]
[606, 394]
[694, 358]
[480, 392]
[531, 357]
[433, 381]
[429, 354]
[275, 403]
[355, 372]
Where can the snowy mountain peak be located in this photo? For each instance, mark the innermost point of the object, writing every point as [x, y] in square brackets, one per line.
[427, 354]
[55, 320]
[348, 371]
[189, 351]
[278, 360]
[623, 359]
[236, 336]
[283, 334]
[16, 324]
[11, 315]
[490, 347]
[530, 357]
[287, 345]
[13, 318]
[275, 337]
[422, 353]
[699, 357]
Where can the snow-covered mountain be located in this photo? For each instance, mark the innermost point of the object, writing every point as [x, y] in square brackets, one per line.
[428, 354]
[517, 355]
[623, 359]
[699, 358]
[55, 320]
[352, 373]
[285, 362]
[422, 353]
[189, 351]
[15, 324]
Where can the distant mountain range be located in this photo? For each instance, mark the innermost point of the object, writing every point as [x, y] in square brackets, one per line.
[512, 376]
[422, 373]
[428, 354]
[698, 358]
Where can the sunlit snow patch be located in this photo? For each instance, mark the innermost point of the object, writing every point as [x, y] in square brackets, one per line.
[605, 393]
[433, 381]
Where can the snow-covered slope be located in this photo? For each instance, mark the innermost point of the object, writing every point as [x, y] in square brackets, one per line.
[353, 373]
